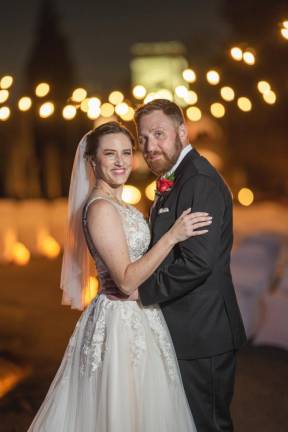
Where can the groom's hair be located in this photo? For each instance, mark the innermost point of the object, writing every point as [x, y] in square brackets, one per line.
[169, 108]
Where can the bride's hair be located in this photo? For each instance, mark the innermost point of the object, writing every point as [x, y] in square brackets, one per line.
[93, 138]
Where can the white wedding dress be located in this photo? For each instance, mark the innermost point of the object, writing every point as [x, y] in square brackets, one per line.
[119, 372]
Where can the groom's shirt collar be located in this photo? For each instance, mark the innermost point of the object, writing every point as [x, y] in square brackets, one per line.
[182, 155]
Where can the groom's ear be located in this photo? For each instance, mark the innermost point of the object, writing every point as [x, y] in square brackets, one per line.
[183, 133]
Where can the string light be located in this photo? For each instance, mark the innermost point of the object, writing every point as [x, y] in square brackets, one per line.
[270, 97]
[194, 114]
[263, 87]
[121, 109]
[42, 90]
[189, 75]
[131, 194]
[245, 197]
[244, 104]
[139, 92]
[181, 91]
[107, 109]
[249, 58]
[227, 93]
[129, 116]
[46, 110]
[4, 95]
[116, 97]
[25, 103]
[69, 112]
[217, 110]
[6, 82]
[191, 97]
[236, 53]
[213, 77]
[4, 113]
[79, 95]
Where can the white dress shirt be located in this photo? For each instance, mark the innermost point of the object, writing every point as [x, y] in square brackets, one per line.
[182, 155]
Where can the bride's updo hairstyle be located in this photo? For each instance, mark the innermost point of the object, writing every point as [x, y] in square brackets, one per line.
[94, 137]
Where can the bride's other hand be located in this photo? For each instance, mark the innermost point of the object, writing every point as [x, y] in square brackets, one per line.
[187, 225]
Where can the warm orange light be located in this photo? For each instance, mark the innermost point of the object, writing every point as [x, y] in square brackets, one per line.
[107, 109]
[4, 94]
[116, 97]
[121, 109]
[236, 53]
[181, 91]
[263, 87]
[129, 116]
[20, 254]
[69, 112]
[217, 110]
[249, 58]
[131, 194]
[213, 77]
[150, 191]
[42, 89]
[245, 197]
[4, 113]
[194, 113]
[6, 82]
[139, 92]
[25, 103]
[270, 97]
[244, 104]
[79, 94]
[46, 110]
[90, 290]
[189, 75]
[191, 97]
[227, 93]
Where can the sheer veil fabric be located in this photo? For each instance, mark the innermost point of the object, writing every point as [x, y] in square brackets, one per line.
[75, 272]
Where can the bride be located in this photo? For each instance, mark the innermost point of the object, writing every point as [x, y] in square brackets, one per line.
[119, 372]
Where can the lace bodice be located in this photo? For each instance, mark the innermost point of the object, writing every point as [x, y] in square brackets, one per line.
[136, 231]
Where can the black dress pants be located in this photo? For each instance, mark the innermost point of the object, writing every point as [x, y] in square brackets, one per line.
[209, 386]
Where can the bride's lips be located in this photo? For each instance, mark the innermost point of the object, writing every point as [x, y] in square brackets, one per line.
[119, 171]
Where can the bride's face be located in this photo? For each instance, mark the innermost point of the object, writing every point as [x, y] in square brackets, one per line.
[114, 159]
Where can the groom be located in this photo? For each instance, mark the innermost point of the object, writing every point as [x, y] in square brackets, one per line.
[193, 285]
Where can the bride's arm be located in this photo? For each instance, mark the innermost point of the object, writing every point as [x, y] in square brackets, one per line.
[105, 227]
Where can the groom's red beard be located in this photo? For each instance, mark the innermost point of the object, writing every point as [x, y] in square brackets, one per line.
[164, 161]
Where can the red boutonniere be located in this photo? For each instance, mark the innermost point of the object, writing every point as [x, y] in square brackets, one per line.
[165, 183]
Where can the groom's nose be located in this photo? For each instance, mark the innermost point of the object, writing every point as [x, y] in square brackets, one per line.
[151, 145]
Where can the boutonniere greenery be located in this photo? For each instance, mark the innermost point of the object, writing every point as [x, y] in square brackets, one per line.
[165, 183]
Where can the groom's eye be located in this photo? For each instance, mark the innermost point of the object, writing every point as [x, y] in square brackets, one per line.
[159, 134]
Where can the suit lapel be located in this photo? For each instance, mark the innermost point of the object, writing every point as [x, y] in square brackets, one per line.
[183, 171]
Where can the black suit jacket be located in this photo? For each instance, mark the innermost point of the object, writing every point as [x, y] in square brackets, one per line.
[193, 285]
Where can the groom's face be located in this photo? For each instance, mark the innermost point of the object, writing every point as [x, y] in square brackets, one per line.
[159, 141]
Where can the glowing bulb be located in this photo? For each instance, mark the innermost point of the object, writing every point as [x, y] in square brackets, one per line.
[213, 77]
[245, 197]
[131, 194]
[181, 91]
[84, 105]
[4, 94]
[270, 97]
[227, 93]
[139, 92]
[284, 32]
[150, 191]
[107, 109]
[263, 87]
[244, 104]
[164, 94]
[46, 110]
[25, 103]
[285, 24]
[217, 110]
[236, 53]
[42, 89]
[20, 254]
[6, 82]
[69, 112]
[189, 75]
[79, 94]
[116, 97]
[191, 98]
[129, 116]
[4, 113]
[121, 109]
[249, 58]
[194, 114]
[94, 110]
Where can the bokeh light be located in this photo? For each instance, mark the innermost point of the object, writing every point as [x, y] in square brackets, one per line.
[46, 110]
[25, 103]
[217, 110]
[4, 95]
[150, 191]
[90, 291]
[194, 113]
[20, 254]
[139, 92]
[42, 89]
[116, 97]
[284, 32]
[4, 113]
[191, 97]
[270, 97]
[213, 77]
[249, 58]
[263, 87]
[245, 196]
[69, 112]
[6, 82]
[79, 94]
[227, 93]
[129, 116]
[131, 194]
[244, 104]
[107, 110]
[236, 53]
[189, 75]
[121, 109]
[181, 91]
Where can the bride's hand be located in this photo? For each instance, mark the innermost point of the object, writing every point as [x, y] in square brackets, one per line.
[187, 224]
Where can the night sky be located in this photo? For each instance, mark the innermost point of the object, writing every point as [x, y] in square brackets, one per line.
[100, 34]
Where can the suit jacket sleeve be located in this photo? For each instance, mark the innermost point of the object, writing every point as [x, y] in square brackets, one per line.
[195, 256]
